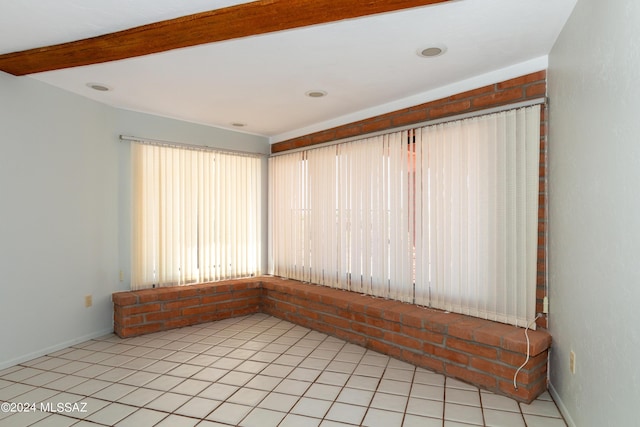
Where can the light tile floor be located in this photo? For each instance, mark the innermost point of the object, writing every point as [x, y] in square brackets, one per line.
[253, 371]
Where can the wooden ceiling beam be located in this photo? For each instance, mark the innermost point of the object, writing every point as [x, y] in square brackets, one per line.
[248, 19]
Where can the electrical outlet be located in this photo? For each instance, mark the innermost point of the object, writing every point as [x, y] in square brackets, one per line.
[572, 362]
[121, 276]
[88, 301]
[545, 305]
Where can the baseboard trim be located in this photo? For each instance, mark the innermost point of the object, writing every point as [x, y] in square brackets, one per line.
[561, 406]
[53, 348]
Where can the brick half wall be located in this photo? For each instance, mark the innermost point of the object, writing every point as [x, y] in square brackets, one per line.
[484, 353]
[160, 309]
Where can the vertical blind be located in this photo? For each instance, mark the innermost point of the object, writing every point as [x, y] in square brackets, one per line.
[196, 216]
[443, 216]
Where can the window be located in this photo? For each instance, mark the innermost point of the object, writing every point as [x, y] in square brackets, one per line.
[443, 216]
[196, 216]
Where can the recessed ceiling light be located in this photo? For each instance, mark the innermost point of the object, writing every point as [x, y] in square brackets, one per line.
[432, 51]
[316, 93]
[99, 87]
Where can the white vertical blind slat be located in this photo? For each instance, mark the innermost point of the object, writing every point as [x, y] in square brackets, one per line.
[193, 216]
[444, 215]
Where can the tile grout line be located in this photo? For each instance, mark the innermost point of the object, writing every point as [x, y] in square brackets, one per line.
[249, 328]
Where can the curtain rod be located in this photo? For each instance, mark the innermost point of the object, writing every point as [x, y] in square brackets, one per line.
[472, 114]
[188, 146]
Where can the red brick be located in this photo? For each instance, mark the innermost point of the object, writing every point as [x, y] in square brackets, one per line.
[308, 313]
[210, 317]
[335, 300]
[228, 305]
[411, 117]
[354, 317]
[376, 307]
[130, 320]
[499, 98]
[314, 296]
[254, 284]
[471, 93]
[281, 297]
[285, 307]
[351, 337]
[162, 315]
[471, 348]
[189, 302]
[470, 376]
[539, 341]
[395, 313]
[492, 333]
[139, 309]
[321, 137]
[376, 125]
[523, 80]
[413, 316]
[339, 312]
[301, 142]
[242, 284]
[283, 146]
[352, 297]
[439, 321]
[465, 328]
[323, 308]
[524, 393]
[383, 324]
[542, 322]
[403, 341]
[517, 359]
[367, 330]
[159, 294]
[422, 334]
[494, 368]
[210, 299]
[360, 305]
[117, 329]
[543, 132]
[384, 348]
[379, 346]
[243, 311]
[323, 290]
[224, 288]
[336, 321]
[124, 298]
[244, 293]
[134, 331]
[451, 109]
[189, 291]
[444, 353]
[201, 288]
[347, 131]
[200, 309]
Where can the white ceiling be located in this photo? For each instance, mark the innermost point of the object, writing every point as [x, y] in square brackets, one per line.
[367, 65]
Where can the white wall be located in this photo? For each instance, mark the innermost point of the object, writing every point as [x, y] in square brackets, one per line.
[63, 211]
[594, 213]
[58, 221]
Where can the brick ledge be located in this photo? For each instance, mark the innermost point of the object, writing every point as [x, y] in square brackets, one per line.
[481, 352]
